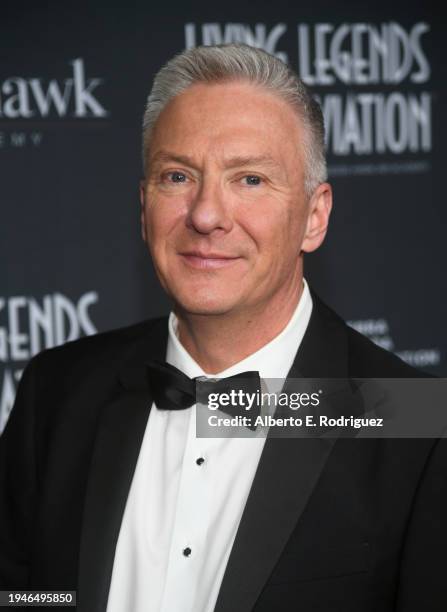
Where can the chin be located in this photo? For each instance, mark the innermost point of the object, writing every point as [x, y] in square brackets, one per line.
[203, 305]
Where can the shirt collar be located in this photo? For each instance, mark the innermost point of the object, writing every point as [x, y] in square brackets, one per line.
[273, 360]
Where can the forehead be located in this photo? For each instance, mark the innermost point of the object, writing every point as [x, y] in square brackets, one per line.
[229, 119]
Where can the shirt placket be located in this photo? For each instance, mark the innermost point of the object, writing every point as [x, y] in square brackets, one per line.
[188, 543]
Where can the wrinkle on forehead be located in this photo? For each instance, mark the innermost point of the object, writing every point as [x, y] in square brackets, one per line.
[236, 161]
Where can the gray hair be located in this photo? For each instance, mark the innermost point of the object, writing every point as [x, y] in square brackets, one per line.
[239, 62]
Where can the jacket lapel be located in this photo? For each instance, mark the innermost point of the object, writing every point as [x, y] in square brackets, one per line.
[286, 476]
[117, 446]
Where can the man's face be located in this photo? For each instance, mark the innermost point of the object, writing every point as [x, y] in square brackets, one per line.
[224, 211]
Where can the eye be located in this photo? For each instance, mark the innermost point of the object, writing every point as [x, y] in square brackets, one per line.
[176, 177]
[252, 180]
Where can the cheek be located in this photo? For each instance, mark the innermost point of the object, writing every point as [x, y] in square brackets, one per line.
[268, 227]
[278, 235]
[295, 225]
[161, 222]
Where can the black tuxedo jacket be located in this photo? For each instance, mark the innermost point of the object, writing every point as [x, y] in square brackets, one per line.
[330, 525]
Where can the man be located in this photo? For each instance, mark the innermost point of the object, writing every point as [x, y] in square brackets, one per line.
[109, 492]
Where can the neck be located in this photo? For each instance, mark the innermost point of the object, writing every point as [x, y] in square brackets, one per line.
[216, 342]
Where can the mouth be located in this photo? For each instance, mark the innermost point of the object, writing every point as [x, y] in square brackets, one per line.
[208, 261]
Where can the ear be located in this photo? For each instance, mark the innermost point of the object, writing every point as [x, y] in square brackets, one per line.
[142, 206]
[320, 207]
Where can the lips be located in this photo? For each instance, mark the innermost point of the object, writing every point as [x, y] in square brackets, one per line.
[208, 261]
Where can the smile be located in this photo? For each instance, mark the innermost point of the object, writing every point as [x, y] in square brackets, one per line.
[209, 261]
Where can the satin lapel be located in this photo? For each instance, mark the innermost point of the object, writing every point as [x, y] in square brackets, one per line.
[117, 446]
[287, 473]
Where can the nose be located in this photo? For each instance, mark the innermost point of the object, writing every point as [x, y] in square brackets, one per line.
[210, 211]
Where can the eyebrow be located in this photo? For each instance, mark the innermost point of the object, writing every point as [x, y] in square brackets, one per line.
[236, 161]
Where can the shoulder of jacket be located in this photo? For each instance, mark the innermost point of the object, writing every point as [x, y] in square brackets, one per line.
[105, 346]
[368, 359]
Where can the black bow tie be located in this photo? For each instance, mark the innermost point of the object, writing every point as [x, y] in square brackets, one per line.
[172, 390]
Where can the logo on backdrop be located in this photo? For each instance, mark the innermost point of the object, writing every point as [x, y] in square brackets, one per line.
[371, 81]
[258, 35]
[28, 325]
[378, 330]
[22, 100]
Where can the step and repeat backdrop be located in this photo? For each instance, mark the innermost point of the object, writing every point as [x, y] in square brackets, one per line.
[73, 82]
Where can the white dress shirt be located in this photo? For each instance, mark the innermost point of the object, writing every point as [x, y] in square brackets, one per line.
[188, 494]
